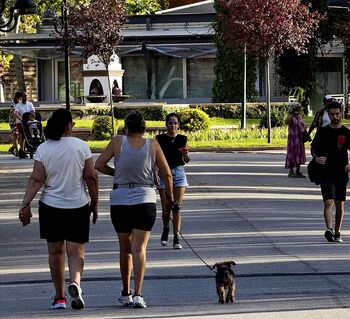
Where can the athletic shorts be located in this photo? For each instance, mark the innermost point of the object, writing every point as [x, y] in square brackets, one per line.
[125, 218]
[333, 189]
[57, 224]
[179, 178]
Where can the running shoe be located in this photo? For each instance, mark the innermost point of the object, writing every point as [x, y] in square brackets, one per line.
[329, 234]
[165, 236]
[59, 303]
[125, 300]
[337, 238]
[176, 243]
[76, 294]
[139, 302]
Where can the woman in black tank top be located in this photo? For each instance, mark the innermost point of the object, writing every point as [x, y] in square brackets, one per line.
[175, 149]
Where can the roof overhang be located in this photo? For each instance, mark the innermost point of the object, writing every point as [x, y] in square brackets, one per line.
[175, 35]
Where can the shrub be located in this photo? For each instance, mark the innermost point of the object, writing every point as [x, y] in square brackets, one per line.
[234, 110]
[4, 115]
[278, 116]
[150, 113]
[102, 127]
[193, 120]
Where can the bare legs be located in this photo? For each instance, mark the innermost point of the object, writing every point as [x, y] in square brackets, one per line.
[328, 214]
[178, 196]
[57, 252]
[133, 256]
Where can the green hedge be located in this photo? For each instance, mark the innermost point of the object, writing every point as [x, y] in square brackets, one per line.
[234, 110]
[4, 115]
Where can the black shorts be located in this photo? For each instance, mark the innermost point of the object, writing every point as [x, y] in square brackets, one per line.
[57, 224]
[125, 218]
[333, 189]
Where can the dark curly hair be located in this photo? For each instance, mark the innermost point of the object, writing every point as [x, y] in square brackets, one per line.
[57, 124]
[135, 122]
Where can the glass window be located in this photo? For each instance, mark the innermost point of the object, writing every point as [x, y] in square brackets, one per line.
[135, 77]
[76, 80]
[200, 77]
[168, 78]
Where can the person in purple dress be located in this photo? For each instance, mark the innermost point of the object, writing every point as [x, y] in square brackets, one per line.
[295, 149]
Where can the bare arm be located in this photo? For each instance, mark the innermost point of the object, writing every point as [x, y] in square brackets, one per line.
[164, 170]
[91, 179]
[36, 180]
[185, 155]
[101, 163]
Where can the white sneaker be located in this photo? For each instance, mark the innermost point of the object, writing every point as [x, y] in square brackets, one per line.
[176, 243]
[139, 302]
[76, 294]
[125, 300]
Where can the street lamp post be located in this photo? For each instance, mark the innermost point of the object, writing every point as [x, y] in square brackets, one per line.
[66, 54]
[63, 31]
[21, 7]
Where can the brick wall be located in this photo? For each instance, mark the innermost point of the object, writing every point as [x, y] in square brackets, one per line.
[30, 78]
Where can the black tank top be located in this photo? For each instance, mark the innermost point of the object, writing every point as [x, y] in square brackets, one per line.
[170, 147]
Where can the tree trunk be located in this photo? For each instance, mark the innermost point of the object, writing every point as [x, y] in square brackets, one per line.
[268, 99]
[244, 102]
[111, 102]
[18, 64]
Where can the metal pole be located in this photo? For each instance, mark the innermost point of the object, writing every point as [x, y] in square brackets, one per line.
[345, 89]
[66, 54]
[244, 104]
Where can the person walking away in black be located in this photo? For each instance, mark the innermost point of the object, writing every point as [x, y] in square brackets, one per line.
[330, 150]
[175, 149]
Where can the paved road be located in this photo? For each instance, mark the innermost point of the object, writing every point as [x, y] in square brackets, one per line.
[240, 206]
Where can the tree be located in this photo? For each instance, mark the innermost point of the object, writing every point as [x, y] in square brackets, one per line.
[267, 27]
[300, 70]
[97, 28]
[139, 7]
[229, 71]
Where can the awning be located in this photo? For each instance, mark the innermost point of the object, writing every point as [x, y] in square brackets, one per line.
[188, 51]
[185, 50]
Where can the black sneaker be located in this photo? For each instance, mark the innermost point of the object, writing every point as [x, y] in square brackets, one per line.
[329, 234]
[337, 238]
[176, 243]
[165, 235]
[22, 154]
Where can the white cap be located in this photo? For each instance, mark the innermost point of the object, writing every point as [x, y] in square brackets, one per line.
[328, 97]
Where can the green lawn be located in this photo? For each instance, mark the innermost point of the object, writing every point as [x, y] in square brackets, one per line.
[233, 138]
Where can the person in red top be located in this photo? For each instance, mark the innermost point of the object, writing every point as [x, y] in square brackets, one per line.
[175, 149]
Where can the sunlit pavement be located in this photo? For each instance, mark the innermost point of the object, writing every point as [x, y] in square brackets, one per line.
[239, 206]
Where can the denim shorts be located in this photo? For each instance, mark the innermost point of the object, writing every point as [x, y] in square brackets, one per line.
[179, 178]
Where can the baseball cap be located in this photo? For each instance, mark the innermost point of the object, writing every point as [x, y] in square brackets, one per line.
[328, 98]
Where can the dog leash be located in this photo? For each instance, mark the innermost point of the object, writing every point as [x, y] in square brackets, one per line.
[187, 243]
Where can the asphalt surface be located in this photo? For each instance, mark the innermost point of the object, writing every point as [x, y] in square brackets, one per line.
[240, 206]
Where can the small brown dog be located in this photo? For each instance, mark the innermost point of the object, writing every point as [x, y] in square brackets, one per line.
[225, 279]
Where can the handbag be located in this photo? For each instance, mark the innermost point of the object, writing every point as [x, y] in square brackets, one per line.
[314, 172]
